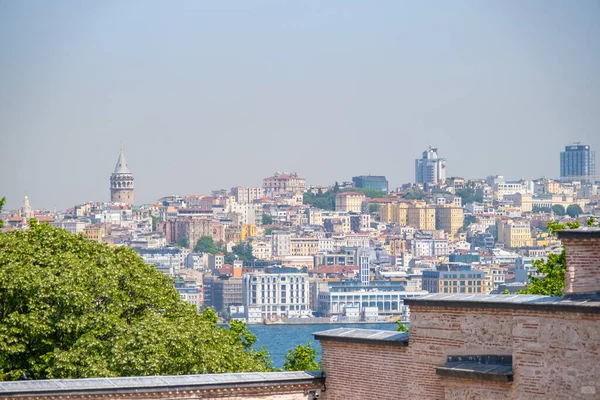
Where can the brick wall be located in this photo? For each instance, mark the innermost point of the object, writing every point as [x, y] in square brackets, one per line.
[583, 265]
[556, 355]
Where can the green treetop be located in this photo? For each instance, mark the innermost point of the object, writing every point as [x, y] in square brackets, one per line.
[301, 358]
[206, 244]
[73, 308]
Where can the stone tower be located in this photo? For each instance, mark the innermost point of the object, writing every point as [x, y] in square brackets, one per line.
[121, 182]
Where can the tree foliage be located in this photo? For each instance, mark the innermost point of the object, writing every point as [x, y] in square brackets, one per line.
[183, 241]
[559, 210]
[206, 244]
[73, 308]
[2, 201]
[552, 271]
[574, 210]
[301, 358]
[415, 194]
[374, 207]
[370, 193]
[324, 201]
[267, 219]
[469, 194]
[401, 327]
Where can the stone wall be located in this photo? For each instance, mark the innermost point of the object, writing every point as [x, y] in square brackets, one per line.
[555, 355]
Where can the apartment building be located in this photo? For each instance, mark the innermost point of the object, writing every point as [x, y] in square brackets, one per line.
[449, 218]
[514, 234]
[281, 243]
[304, 246]
[277, 294]
[245, 194]
[455, 278]
[349, 201]
[262, 250]
[422, 217]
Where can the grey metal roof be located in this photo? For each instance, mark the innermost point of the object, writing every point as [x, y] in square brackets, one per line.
[581, 303]
[121, 167]
[580, 233]
[155, 383]
[370, 336]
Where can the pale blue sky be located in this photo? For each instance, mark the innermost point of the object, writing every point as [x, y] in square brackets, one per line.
[209, 95]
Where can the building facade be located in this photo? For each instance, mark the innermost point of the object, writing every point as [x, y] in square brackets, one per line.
[121, 182]
[578, 162]
[349, 201]
[430, 168]
[370, 182]
[277, 295]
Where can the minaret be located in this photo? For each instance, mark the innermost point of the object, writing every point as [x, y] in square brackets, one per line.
[121, 182]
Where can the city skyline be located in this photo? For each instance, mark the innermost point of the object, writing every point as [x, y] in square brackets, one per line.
[214, 96]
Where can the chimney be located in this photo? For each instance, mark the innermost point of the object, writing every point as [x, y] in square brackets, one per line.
[582, 248]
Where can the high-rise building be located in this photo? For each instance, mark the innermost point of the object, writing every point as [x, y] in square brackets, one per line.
[370, 182]
[121, 182]
[430, 168]
[578, 162]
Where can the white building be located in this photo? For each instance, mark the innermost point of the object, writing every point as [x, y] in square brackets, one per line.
[277, 295]
[430, 168]
[262, 250]
[72, 226]
[168, 260]
[245, 194]
[429, 247]
[281, 244]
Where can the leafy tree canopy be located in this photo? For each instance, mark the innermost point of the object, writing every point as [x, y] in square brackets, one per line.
[574, 210]
[373, 207]
[415, 194]
[2, 201]
[370, 193]
[552, 280]
[270, 230]
[206, 244]
[324, 201]
[401, 327]
[558, 209]
[301, 358]
[183, 241]
[267, 219]
[469, 195]
[73, 308]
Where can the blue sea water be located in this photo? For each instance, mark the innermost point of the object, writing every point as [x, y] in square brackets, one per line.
[279, 338]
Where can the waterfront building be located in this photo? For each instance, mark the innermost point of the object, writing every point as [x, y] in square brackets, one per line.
[430, 169]
[121, 182]
[370, 182]
[578, 162]
[277, 294]
[222, 292]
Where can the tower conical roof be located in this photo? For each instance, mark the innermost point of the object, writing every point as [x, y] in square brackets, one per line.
[121, 167]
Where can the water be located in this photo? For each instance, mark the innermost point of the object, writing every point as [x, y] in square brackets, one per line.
[278, 339]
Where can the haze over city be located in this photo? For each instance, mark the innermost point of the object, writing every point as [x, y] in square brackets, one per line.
[206, 95]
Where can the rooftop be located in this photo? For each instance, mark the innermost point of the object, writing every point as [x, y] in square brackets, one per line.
[580, 303]
[111, 386]
[367, 336]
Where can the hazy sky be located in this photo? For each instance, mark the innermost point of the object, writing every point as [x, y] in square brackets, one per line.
[208, 95]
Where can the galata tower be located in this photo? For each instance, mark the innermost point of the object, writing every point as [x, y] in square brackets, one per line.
[121, 182]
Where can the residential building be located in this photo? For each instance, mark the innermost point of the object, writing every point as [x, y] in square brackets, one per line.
[370, 182]
[216, 261]
[514, 234]
[121, 182]
[425, 245]
[246, 195]
[277, 294]
[449, 219]
[430, 169]
[578, 162]
[304, 246]
[349, 201]
[262, 250]
[168, 260]
[422, 217]
[455, 278]
[282, 243]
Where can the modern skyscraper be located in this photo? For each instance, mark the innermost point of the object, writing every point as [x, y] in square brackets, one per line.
[121, 182]
[430, 169]
[578, 162]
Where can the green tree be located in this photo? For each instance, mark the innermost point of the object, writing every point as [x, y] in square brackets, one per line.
[206, 245]
[415, 194]
[558, 209]
[469, 195]
[574, 210]
[183, 241]
[324, 201]
[552, 281]
[401, 327]
[301, 358]
[2, 201]
[267, 219]
[269, 231]
[73, 308]
[370, 193]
